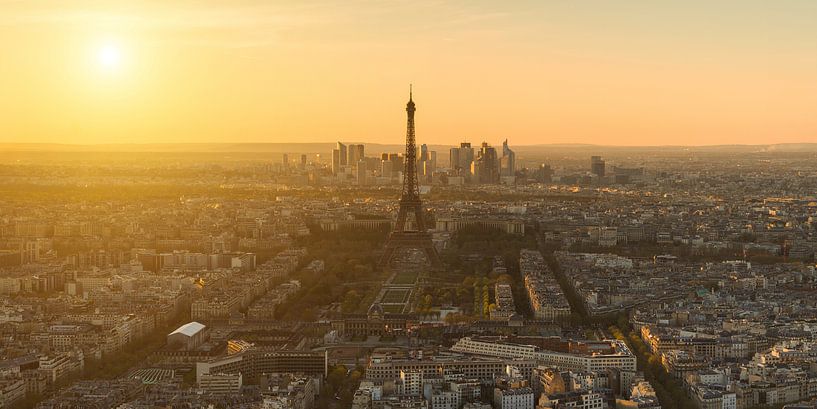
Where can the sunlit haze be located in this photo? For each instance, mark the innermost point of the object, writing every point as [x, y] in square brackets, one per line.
[419, 204]
[535, 72]
[109, 56]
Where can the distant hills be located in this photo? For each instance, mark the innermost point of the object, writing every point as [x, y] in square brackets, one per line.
[374, 148]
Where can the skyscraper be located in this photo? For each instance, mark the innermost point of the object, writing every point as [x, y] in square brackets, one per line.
[597, 166]
[423, 152]
[426, 163]
[361, 172]
[486, 166]
[508, 161]
[476, 172]
[342, 154]
[386, 166]
[351, 151]
[454, 158]
[544, 174]
[461, 159]
[336, 161]
[396, 164]
[428, 170]
[466, 156]
[356, 153]
[390, 165]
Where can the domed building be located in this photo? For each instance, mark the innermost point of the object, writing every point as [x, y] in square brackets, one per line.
[375, 312]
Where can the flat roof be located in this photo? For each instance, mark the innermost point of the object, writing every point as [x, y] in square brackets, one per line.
[189, 329]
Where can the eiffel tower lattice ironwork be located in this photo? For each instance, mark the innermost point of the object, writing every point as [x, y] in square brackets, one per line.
[402, 237]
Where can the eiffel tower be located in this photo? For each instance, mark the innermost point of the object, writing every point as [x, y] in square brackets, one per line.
[401, 237]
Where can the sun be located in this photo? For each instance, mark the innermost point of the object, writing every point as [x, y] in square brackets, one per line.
[109, 56]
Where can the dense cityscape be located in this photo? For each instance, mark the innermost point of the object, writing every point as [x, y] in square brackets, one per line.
[475, 277]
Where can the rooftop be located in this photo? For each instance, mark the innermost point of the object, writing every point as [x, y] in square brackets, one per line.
[189, 329]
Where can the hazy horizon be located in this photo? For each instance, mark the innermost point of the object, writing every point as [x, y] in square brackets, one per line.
[45, 146]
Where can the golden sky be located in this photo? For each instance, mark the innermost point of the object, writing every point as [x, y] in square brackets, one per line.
[603, 72]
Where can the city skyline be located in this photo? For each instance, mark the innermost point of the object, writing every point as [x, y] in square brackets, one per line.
[626, 75]
[437, 204]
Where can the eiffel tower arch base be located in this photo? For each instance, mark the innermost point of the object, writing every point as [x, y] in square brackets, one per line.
[410, 240]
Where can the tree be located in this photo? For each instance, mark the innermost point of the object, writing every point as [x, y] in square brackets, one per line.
[350, 301]
[336, 376]
[309, 314]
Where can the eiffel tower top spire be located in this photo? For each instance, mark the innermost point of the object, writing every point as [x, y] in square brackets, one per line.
[410, 105]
